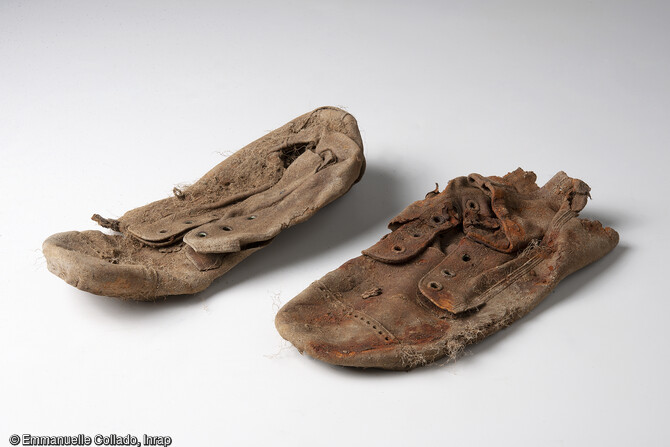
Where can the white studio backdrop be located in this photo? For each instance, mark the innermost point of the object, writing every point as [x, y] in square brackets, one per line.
[105, 106]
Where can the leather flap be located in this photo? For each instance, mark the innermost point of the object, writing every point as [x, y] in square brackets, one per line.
[204, 261]
[252, 170]
[521, 209]
[167, 230]
[510, 233]
[313, 180]
[231, 232]
[458, 283]
[425, 219]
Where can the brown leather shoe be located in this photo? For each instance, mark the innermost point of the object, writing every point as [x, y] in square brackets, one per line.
[457, 267]
[181, 244]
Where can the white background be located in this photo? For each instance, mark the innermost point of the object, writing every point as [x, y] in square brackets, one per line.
[105, 106]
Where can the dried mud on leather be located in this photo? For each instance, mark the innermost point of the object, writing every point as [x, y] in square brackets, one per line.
[457, 266]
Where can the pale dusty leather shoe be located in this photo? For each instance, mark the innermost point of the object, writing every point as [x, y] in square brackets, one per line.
[458, 266]
[179, 245]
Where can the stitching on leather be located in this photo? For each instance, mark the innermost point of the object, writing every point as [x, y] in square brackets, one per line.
[358, 315]
[527, 266]
[562, 219]
[511, 278]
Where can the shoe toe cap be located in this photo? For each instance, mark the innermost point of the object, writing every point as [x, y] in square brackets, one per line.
[327, 329]
[89, 261]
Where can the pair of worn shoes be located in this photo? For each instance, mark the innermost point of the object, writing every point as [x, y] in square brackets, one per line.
[457, 266]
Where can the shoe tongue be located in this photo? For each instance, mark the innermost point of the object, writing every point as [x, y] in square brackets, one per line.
[509, 217]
